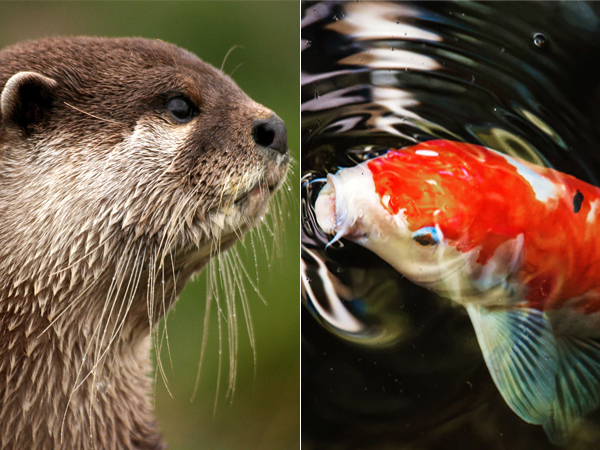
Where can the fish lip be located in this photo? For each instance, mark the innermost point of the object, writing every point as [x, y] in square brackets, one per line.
[325, 207]
[332, 214]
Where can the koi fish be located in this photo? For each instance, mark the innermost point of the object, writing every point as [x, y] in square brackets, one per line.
[518, 245]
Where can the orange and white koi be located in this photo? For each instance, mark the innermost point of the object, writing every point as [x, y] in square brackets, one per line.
[518, 245]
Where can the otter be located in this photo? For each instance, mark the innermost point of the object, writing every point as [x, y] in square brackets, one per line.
[125, 166]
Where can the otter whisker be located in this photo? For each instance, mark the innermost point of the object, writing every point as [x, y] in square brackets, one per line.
[103, 119]
[232, 48]
[238, 264]
[132, 286]
[86, 351]
[220, 359]
[99, 338]
[73, 304]
[236, 68]
[86, 255]
[234, 264]
[253, 245]
[173, 227]
[249, 278]
[159, 344]
[173, 295]
[208, 303]
[229, 285]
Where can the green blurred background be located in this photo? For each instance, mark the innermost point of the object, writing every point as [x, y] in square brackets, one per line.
[264, 412]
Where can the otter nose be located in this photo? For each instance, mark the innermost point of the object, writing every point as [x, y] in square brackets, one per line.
[271, 133]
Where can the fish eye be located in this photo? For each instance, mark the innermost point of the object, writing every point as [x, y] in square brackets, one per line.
[426, 236]
[181, 109]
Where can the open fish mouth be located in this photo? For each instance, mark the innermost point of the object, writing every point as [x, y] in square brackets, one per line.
[325, 207]
[333, 214]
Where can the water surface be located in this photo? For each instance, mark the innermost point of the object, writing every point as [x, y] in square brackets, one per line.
[387, 364]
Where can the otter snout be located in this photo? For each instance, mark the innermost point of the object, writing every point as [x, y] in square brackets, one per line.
[271, 133]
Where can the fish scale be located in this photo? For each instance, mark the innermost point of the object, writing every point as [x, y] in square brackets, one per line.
[496, 205]
[517, 244]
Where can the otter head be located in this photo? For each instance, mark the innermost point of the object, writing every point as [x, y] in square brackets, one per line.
[109, 145]
[125, 165]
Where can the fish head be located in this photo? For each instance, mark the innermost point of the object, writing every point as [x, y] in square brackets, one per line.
[349, 207]
[415, 208]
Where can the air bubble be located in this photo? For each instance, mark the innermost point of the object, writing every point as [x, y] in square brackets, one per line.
[540, 40]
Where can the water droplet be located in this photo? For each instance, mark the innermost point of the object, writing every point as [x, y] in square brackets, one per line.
[540, 40]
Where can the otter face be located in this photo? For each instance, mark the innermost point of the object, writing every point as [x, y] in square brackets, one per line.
[137, 138]
[125, 165]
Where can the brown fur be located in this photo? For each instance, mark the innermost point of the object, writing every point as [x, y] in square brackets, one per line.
[107, 207]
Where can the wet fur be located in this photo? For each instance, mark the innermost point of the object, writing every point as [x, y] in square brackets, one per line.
[107, 208]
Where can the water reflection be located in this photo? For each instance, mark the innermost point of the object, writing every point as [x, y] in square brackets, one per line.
[388, 364]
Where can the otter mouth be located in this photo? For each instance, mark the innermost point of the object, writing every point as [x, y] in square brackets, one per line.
[258, 189]
[265, 187]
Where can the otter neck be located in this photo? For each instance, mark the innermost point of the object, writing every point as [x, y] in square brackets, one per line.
[75, 359]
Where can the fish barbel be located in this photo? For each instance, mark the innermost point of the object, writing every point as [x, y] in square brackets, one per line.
[518, 245]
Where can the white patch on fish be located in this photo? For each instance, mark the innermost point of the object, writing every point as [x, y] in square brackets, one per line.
[593, 214]
[543, 188]
[427, 153]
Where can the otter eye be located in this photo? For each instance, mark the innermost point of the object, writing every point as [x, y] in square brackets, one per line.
[427, 236]
[181, 109]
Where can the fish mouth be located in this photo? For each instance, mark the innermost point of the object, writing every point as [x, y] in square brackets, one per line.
[325, 207]
[333, 215]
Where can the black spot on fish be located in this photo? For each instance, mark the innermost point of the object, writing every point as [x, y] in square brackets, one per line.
[577, 200]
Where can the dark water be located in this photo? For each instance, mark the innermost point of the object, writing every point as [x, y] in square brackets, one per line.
[386, 364]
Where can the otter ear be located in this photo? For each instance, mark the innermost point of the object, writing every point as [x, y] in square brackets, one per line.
[26, 99]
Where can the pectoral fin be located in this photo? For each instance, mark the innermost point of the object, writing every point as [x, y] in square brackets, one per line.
[547, 380]
[577, 386]
[521, 353]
